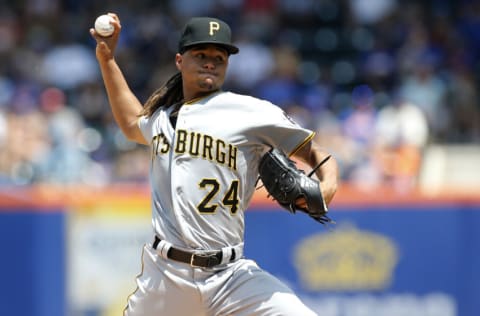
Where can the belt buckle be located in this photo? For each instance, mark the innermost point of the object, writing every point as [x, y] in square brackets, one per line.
[212, 260]
[192, 258]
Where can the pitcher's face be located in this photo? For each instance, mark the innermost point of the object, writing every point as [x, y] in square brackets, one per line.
[203, 68]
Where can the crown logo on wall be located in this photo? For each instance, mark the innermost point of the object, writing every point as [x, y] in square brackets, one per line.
[346, 259]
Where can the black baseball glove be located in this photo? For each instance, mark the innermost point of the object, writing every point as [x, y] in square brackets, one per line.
[286, 184]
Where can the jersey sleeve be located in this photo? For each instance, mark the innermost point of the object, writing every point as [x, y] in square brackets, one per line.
[151, 126]
[277, 129]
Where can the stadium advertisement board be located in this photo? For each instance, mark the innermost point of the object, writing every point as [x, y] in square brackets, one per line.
[418, 258]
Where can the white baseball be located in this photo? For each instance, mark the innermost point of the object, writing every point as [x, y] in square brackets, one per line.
[103, 26]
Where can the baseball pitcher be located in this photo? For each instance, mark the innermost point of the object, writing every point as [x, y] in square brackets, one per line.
[209, 148]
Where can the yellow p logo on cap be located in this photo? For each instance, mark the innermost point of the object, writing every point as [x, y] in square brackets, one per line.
[214, 26]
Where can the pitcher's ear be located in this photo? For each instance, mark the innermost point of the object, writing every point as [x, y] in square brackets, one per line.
[178, 61]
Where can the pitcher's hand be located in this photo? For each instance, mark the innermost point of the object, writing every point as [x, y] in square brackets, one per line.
[106, 46]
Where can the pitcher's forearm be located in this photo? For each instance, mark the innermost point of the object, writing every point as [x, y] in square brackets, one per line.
[124, 104]
[329, 179]
[327, 173]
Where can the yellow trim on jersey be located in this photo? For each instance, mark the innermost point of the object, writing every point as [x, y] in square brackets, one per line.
[306, 140]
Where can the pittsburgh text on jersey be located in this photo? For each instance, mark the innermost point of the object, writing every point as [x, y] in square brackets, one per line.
[198, 145]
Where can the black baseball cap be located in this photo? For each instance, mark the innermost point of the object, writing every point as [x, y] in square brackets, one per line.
[206, 30]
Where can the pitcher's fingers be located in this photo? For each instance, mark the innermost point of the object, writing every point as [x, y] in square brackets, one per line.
[93, 33]
[114, 16]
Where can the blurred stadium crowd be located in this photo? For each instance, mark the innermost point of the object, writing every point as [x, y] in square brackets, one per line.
[379, 80]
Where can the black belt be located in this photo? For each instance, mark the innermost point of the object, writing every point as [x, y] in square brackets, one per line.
[194, 260]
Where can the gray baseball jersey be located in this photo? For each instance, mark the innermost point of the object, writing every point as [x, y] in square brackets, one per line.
[203, 172]
[203, 175]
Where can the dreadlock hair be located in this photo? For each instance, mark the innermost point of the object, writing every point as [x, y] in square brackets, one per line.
[167, 95]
